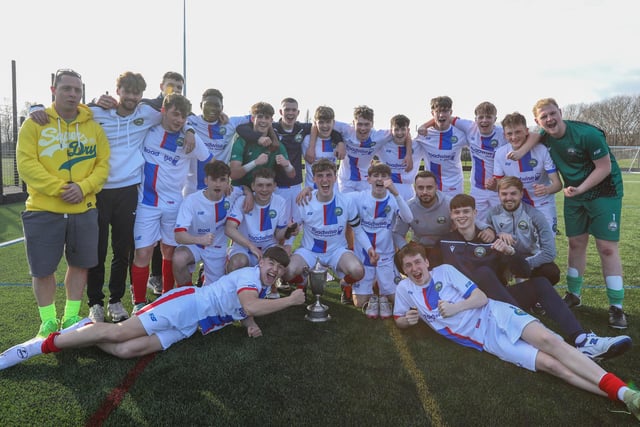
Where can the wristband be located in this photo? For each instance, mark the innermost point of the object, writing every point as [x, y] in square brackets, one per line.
[36, 107]
[249, 166]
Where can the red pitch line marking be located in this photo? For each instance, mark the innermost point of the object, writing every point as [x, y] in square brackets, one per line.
[114, 398]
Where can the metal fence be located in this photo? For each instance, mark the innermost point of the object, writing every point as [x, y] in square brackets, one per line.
[13, 189]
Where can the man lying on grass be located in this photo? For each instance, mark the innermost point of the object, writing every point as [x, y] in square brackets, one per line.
[176, 315]
[453, 306]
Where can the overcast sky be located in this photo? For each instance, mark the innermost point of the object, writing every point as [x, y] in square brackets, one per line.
[391, 55]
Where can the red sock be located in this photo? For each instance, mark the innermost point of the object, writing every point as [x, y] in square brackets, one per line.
[298, 280]
[347, 291]
[350, 280]
[168, 281]
[48, 346]
[610, 384]
[139, 277]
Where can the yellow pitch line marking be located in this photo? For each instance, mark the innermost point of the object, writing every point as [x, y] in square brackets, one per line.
[429, 404]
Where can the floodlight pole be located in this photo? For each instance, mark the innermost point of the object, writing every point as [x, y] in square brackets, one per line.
[184, 46]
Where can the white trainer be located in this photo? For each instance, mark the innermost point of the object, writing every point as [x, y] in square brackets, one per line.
[155, 284]
[372, 308]
[386, 309]
[117, 312]
[96, 313]
[600, 348]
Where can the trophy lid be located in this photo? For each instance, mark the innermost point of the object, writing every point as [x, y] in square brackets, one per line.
[319, 267]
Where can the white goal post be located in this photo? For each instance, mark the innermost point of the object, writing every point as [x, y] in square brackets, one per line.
[627, 156]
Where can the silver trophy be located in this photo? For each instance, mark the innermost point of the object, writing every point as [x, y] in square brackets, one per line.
[317, 282]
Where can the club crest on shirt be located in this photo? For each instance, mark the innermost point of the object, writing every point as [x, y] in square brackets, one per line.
[338, 211]
[522, 225]
[533, 163]
[613, 226]
[440, 220]
[494, 143]
[298, 138]
[454, 139]
[226, 205]
[138, 121]
[397, 279]
[222, 130]
[437, 286]
[180, 142]
[518, 311]
[272, 213]
[573, 154]
[479, 251]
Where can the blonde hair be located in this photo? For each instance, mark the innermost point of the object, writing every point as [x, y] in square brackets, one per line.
[544, 102]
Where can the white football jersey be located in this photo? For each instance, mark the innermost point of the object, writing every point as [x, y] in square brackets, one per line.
[166, 166]
[199, 216]
[443, 151]
[218, 138]
[359, 153]
[218, 303]
[482, 148]
[260, 224]
[324, 224]
[376, 218]
[533, 168]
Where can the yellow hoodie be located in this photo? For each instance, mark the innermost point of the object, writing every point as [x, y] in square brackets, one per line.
[52, 155]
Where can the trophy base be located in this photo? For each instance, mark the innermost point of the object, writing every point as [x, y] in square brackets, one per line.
[317, 313]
